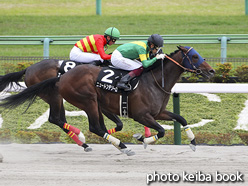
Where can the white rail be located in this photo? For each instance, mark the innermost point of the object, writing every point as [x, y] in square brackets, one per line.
[210, 88]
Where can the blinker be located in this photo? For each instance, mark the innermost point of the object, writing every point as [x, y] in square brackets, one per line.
[188, 59]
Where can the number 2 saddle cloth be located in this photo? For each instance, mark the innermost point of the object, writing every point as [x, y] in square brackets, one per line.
[109, 77]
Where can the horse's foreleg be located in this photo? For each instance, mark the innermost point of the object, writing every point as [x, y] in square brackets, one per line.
[169, 116]
[116, 120]
[150, 122]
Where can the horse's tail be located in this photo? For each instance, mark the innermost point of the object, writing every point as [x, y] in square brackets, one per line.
[11, 79]
[44, 88]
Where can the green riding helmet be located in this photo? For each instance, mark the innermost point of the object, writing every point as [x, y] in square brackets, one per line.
[113, 32]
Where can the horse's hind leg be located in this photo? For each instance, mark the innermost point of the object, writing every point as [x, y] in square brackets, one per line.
[55, 117]
[62, 113]
[169, 116]
[95, 118]
[101, 120]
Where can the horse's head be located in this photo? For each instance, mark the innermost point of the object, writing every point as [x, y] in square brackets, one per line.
[192, 61]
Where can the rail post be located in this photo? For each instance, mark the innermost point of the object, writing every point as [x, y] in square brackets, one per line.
[177, 126]
[46, 43]
[246, 7]
[223, 40]
[98, 7]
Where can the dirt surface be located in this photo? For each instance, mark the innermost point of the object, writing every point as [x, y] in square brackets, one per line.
[68, 164]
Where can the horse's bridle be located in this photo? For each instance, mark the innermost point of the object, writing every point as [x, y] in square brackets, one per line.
[196, 70]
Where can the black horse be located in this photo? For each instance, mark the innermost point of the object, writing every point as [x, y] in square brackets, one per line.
[147, 103]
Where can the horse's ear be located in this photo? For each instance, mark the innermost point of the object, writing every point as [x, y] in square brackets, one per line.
[179, 47]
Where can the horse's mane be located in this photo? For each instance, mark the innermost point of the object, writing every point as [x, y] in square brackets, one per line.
[158, 62]
[172, 53]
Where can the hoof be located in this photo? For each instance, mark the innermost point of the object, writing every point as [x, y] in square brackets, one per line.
[145, 145]
[1, 158]
[127, 151]
[88, 149]
[193, 145]
[137, 136]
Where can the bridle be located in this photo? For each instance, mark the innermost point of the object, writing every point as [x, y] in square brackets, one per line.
[196, 70]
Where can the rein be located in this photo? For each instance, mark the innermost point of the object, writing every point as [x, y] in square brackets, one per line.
[159, 84]
[185, 69]
[196, 70]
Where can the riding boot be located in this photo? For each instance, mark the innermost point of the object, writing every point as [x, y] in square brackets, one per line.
[124, 80]
[106, 63]
[96, 63]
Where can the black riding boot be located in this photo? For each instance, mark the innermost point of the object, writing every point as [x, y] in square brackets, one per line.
[123, 82]
[96, 63]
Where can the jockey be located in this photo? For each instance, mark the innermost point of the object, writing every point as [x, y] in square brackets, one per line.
[91, 48]
[125, 57]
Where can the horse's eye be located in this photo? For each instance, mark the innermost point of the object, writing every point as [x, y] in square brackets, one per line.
[195, 57]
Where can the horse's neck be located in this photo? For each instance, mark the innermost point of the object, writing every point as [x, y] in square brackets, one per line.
[171, 73]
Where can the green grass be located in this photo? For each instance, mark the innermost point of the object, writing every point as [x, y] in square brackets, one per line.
[130, 17]
[120, 7]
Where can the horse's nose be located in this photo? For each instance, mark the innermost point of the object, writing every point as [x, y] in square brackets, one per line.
[212, 72]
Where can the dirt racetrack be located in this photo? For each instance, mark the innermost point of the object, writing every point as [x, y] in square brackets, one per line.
[68, 164]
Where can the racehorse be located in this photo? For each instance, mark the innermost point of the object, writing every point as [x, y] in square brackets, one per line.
[41, 71]
[147, 103]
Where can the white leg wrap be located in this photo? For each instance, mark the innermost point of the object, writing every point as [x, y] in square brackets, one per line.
[189, 133]
[81, 137]
[112, 139]
[151, 139]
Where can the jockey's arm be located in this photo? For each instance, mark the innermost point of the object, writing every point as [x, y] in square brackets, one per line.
[100, 48]
[147, 62]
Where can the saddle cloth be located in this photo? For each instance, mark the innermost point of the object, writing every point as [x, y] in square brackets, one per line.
[109, 77]
[66, 65]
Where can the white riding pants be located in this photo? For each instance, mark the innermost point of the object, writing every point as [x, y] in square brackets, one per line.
[78, 55]
[124, 63]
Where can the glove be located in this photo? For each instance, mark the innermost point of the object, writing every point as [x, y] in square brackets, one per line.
[160, 56]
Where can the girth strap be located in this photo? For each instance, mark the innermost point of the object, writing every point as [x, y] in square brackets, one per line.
[124, 104]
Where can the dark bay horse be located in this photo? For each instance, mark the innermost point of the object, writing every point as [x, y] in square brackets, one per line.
[45, 69]
[147, 103]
